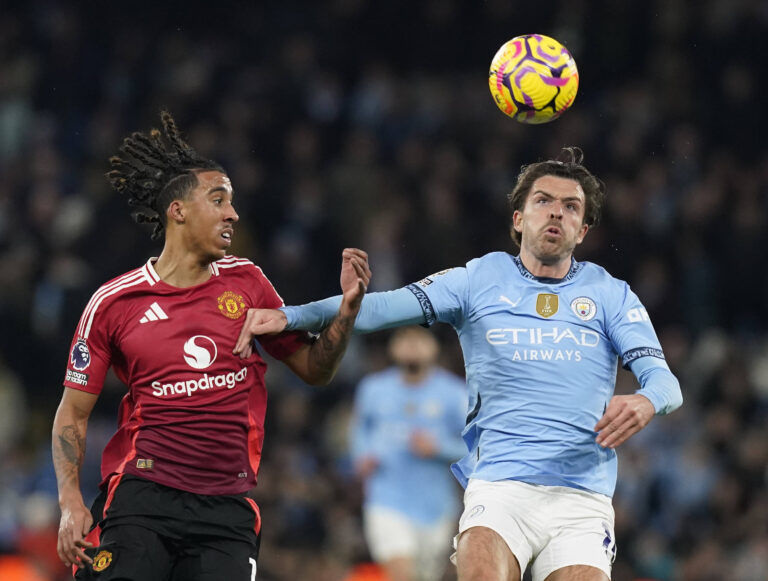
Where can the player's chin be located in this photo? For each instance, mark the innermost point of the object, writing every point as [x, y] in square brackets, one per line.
[217, 254]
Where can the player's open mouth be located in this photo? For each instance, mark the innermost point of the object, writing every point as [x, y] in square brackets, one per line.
[553, 231]
[227, 235]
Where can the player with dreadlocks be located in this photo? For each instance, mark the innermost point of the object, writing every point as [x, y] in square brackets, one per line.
[190, 429]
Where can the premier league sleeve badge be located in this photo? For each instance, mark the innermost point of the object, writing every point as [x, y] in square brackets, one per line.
[80, 358]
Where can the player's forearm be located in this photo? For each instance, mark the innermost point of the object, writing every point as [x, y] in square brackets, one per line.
[326, 353]
[68, 448]
[658, 384]
[381, 310]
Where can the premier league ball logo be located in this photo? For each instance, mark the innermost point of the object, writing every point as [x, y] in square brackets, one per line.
[80, 358]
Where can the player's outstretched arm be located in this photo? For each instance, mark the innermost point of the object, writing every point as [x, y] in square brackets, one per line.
[355, 276]
[68, 447]
[317, 363]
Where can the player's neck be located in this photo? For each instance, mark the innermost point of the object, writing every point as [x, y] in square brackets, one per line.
[181, 270]
[415, 376]
[545, 269]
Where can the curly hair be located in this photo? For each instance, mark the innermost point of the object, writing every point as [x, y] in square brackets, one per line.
[569, 166]
[153, 172]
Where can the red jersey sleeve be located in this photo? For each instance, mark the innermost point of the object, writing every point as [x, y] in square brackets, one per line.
[89, 354]
[285, 344]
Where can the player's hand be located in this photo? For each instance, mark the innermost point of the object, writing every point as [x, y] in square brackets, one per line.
[625, 416]
[355, 277]
[258, 322]
[422, 444]
[75, 523]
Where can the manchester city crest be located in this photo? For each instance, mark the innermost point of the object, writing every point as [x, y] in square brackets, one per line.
[584, 307]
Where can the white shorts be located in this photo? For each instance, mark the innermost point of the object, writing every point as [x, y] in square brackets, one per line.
[550, 526]
[391, 534]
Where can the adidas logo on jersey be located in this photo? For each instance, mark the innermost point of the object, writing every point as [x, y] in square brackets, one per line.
[153, 313]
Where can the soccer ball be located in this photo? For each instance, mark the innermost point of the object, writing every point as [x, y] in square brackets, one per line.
[533, 79]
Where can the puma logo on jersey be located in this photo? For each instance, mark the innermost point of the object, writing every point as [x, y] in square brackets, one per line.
[153, 313]
[506, 300]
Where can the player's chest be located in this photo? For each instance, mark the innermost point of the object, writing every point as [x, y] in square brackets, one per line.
[522, 314]
[407, 409]
[194, 327]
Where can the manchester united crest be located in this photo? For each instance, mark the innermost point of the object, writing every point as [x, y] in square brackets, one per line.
[102, 561]
[231, 305]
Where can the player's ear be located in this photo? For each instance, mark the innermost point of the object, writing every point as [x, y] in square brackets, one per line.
[175, 211]
[517, 221]
[582, 233]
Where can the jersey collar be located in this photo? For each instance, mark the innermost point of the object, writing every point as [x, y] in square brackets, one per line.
[575, 268]
[154, 278]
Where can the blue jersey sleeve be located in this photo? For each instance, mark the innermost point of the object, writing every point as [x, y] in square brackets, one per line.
[658, 384]
[630, 329]
[444, 296]
[635, 340]
[379, 311]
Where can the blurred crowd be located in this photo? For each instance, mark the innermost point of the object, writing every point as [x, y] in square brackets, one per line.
[369, 124]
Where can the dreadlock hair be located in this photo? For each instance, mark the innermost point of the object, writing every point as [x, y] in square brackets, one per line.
[569, 166]
[153, 172]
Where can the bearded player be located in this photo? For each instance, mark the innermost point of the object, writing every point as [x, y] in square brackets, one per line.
[541, 334]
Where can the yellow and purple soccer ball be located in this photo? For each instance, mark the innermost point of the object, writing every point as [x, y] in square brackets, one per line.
[533, 79]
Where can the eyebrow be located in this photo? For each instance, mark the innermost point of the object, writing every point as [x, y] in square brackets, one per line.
[218, 189]
[567, 199]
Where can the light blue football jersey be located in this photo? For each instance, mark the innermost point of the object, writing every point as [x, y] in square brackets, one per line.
[541, 361]
[387, 412]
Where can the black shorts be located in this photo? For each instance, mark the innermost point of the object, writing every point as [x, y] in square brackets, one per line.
[155, 533]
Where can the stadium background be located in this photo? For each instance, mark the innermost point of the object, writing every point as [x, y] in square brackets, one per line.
[369, 124]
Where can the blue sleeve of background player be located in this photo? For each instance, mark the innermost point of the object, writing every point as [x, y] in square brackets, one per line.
[360, 429]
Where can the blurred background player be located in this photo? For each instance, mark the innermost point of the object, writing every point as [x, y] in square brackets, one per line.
[191, 425]
[407, 424]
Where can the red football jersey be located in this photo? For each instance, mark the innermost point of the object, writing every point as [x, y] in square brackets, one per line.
[193, 416]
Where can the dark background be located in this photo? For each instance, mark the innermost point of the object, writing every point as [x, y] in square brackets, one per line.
[369, 124]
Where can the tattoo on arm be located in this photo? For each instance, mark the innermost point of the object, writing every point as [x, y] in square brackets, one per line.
[68, 454]
[328, 350]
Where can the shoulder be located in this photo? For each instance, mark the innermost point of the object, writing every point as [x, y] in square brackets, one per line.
[112, 291]
[596, 274]
[378, 377]
[373, 385]
[600, 285]
[234, 265]
[490, 260]
[450, 379]
[138, 278]
[242, 268]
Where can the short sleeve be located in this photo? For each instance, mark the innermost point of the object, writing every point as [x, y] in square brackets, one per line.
[89, 353]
